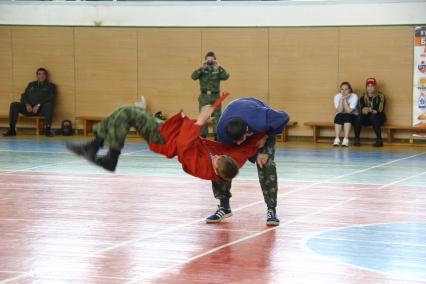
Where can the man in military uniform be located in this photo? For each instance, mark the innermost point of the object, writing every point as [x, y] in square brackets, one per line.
[37, 99]
[210, 75]
[242, 118]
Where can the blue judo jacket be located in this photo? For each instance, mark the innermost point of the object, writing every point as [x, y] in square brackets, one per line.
[259, 117]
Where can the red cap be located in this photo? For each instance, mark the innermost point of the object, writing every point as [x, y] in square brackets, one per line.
[370, 81]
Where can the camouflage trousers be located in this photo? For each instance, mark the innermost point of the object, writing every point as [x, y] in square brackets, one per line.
[209, 99]
[113, 129]
[267, 178]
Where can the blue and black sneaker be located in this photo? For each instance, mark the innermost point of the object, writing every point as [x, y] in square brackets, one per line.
[271, 218]
[221, 213]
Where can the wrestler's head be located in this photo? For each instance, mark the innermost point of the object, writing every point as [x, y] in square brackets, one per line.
[225, 167]
[237, 129]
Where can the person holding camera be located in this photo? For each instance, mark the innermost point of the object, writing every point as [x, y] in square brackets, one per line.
[210, 74]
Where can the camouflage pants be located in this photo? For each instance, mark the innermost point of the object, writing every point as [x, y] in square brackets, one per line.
[209, 99]
[267, 178]
[113, 129]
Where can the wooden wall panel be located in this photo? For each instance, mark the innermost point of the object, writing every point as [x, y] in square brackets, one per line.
[243, 52]
[6, 82]
[295, 69]
[167, 58]
[53, 49]
[385, 53]
[303, 71]
[106, 69]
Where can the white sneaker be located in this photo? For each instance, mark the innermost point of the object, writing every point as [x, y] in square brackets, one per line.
[336, 141]
[345, 142]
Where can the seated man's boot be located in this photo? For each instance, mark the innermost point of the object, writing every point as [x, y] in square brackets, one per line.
[10, 132]
[49, 132]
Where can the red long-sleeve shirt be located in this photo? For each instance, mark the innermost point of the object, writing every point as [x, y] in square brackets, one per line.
[194, 153]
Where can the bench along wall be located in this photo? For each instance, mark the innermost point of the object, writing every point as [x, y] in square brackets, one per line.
[295, 69]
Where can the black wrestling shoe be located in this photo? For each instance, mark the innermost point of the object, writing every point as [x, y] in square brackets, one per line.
[10, 132]
[109, 161]
[87, 151]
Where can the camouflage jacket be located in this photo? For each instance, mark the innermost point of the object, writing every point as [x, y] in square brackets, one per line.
[210, 78]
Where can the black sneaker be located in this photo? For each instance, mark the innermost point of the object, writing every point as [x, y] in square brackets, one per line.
[87, 151]
[356, 142]
[10, 132]
[378, 143]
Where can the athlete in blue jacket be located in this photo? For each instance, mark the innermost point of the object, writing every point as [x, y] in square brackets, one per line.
[242, 118]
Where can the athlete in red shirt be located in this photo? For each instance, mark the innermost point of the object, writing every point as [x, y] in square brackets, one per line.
[178, 136]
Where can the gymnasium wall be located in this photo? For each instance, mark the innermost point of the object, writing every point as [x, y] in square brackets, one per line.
[297, 69]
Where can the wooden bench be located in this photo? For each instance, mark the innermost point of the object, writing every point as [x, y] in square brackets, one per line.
[39, 121]
[88, 122]
[283, 137]
[389, 129]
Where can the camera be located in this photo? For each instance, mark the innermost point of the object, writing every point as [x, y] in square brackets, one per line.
[210, 63]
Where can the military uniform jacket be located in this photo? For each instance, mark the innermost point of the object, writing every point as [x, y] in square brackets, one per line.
[210, 78]
[39, 93]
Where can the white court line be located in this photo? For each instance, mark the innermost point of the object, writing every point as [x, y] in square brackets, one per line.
[241, 240]
[288, 222]
[375, 242]
[37, 152]
[5, 172]
[331, 179]
[153, 235]
[20, 276]
[28, 274]
[11, 271]
[268, 230]
[209, 228]
[57, 152]
[306, 238]
[401, 180]
[125, 243]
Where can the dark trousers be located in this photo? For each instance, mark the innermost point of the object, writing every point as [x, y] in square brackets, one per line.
[113, 129]
[16, 108]
[376, 120]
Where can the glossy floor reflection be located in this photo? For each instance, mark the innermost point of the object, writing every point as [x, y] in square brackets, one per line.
[347, 216]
